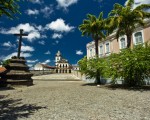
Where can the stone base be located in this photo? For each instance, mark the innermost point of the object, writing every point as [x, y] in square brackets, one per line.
[20, 82]
[17, 73]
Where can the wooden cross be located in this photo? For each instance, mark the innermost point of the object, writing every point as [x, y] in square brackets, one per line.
[20, 40]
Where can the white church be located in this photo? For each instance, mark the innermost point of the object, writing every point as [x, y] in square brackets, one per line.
[62, 65]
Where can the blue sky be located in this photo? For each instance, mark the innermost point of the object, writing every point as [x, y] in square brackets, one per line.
[52, 25]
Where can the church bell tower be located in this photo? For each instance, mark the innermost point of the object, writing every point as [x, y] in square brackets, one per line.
[58, 57]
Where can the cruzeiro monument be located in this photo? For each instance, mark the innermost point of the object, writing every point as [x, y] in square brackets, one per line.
[17, 71]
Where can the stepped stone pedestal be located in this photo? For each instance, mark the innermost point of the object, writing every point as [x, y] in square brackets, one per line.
[17, 73]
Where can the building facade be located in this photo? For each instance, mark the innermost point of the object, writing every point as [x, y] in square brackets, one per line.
[112, 45]
[40, 66]
[62, 65]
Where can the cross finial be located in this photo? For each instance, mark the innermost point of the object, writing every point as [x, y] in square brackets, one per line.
[20, 40]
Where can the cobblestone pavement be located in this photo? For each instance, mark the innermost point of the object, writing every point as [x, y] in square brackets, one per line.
[72, 100]
[56, 77]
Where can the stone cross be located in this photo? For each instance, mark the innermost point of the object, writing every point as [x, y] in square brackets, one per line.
[20, 40]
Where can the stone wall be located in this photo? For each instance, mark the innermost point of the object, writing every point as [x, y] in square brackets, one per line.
[88, 80]
[41, 72]
[103, 80]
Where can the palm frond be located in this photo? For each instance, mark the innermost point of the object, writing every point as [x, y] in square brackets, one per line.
[143, 6]
[91, 17]
[100, 17]
[130, 3]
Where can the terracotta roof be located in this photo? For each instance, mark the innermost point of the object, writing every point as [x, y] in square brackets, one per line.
[47, 66]
[2, 69]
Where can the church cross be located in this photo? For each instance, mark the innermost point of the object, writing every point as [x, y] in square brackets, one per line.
[20, 40]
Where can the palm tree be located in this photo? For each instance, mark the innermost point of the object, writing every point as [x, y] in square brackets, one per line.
[94, 27]
[126, 18]
[9, 7]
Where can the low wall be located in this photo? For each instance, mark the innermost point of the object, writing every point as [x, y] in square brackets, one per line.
[88, 80]
[103, 80]
[41, 72]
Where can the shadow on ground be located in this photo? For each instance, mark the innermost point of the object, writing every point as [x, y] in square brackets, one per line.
[119, 86]
[13, 109]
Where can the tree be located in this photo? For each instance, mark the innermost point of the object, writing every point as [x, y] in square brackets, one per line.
[126, 18]
[5, 62]
[90, 67]
[94, 27]
[9, 8]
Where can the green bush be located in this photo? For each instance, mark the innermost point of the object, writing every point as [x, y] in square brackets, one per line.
[132, 65]
[90, 67]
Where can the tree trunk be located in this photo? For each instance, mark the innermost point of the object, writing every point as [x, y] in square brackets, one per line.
[97, 81]
[129, 41]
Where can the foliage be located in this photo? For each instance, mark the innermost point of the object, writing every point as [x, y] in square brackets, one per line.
[83, 65]
[5, 63]
[124, 19]
[90, 67]
[94, 27]
[131, 65]
[9, 8]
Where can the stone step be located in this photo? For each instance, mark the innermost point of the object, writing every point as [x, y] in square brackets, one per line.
[56, 77]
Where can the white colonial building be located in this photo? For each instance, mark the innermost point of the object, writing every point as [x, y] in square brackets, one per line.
[112, 45]
[62, 65]
[40, 66]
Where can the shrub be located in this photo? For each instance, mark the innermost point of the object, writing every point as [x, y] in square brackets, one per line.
[131, 65]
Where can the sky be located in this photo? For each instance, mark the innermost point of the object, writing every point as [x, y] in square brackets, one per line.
[51, 25]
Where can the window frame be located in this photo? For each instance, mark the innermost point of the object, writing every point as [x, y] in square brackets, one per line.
[105, 48]
[125, 37]
[101, 54]
[134, 38]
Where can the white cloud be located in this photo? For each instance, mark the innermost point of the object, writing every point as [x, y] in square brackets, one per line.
[33, 32]
[47, 11]
[15, 54]
[47, 53]
[30, 65]
[32, 12]
[56, 35]
[66, 3]
[59, 26]
[26, 27]
[46, 62]
[27, 48]
[79, 52]
[43, 36]
[40, 27]
[32, 61]
[42, 42]
[33, 35]
[8, 44]
[36, 1]
[55, 43]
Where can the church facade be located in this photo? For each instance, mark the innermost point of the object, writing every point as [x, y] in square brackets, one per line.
[62, 65]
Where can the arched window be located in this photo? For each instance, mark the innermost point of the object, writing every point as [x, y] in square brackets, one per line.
[122, 43]
[107, 48]
[138, 38]
[101, 50]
